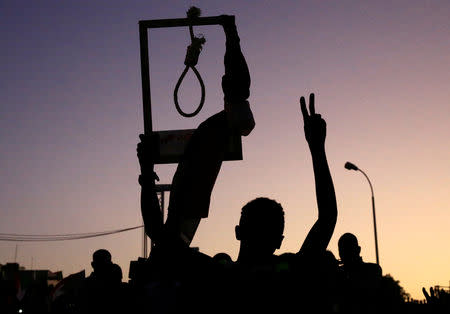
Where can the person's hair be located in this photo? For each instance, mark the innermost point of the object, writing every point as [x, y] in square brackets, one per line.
[262, 211]
[222, 258]
[101, 256]
[348, 239]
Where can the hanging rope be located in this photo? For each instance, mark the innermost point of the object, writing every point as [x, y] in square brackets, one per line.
[192, 54]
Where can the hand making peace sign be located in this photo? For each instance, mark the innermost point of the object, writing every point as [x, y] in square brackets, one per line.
[315, 127]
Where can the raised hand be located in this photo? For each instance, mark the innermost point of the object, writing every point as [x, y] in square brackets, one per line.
[432, 297]
[227, 20]
[147, 152]
[315, 127]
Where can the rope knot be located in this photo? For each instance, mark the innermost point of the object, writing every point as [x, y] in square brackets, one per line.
[193, 51]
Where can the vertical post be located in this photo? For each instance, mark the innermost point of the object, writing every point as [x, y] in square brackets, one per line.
[146, 100]
[373, 213]
[375, 229]
[145, 75]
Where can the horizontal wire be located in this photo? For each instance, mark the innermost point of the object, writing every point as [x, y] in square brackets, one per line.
[60, 237]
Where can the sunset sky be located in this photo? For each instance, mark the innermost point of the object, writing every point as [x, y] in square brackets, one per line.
[71, 112]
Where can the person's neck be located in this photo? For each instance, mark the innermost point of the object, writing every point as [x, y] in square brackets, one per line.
[247, 258]
[354, 262]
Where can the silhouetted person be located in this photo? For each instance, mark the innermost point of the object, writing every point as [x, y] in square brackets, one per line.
[97, 291]
[101, 264]
[272, 280]
[361, 281]
[196, 173]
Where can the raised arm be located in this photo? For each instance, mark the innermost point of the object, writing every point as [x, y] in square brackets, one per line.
[199, 167]
[315, 132]
[150, 208]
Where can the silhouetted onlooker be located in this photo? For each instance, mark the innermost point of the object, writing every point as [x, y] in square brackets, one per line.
[361, 281]
[98, 293]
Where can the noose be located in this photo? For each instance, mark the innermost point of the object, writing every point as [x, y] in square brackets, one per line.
[192, 54]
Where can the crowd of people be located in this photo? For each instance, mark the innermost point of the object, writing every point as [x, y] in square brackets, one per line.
[201, 283]
[312, 279]
[177, 278]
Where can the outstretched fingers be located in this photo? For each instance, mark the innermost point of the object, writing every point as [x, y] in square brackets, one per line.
[303, 108]
[425, 293]
[312, 109]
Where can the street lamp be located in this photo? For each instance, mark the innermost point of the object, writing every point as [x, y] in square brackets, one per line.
[350, 166]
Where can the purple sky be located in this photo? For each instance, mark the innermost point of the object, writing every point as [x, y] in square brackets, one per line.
[71, 112]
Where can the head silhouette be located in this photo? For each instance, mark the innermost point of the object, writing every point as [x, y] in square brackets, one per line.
[101, 261]
[222, 258]
[261, 227]
[349, 249]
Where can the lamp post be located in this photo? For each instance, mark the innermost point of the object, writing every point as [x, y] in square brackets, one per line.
[350, 166]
